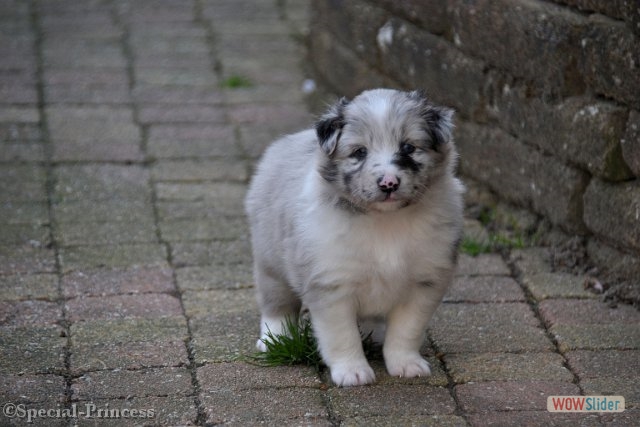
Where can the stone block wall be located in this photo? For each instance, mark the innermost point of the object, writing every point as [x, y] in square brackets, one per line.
[547, 95]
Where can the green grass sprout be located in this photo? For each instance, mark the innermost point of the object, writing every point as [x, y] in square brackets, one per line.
[236, 82]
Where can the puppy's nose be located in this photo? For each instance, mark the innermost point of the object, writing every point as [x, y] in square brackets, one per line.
[388, 183]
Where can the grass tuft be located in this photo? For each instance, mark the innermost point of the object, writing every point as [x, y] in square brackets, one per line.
[236, 82]
[296, 346]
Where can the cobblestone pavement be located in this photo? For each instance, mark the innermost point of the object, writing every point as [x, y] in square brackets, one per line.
[128, 132]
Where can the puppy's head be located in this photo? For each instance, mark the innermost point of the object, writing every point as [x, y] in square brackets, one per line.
[384, 148]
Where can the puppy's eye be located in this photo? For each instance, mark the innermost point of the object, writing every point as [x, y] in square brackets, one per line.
[406, 148]
[359, 153]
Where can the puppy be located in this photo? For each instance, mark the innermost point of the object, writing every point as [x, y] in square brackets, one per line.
[359, 219]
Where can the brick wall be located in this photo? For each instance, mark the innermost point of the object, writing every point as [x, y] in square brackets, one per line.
[547, 96]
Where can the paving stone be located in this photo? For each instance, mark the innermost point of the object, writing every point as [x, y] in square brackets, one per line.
[509, 327]
[31, 388]
[533, 419]
[482, 265]
[204, 303]
[608, 363]
[392, 421]
[101, 182]
[133, 280]
[219, 252]
[203, 170]
[127, 384]
[24, 212]
[122, 255]
[19, 114]
[178, 95]
[106, 233]
[128, 355]
[26, 259]
[100, 125]
[438, 378]
[397, 400]
[113, 210]
[287, 406]
[207, 209]
[220, 277]
[128, 330]
[484, 289]
[164, 113]
[165, 76]
[111, 307]
[224, 337]
[32, 349]
[174, 410]
[474, 367]
[214, 228]
[556, 285]
[91, 151]
[29, 287]
[527, 395]
[585, 312]
[33, 234]
[596, 337]
[219, 192]
[627, 418]
[618, 386]
[30, 312]
[217, 377]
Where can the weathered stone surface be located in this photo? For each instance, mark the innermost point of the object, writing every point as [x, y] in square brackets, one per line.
[596, 336]
[482, 265]
[613, 212]
[543, 38]
[484, 289]
[32, 349]
[554, 285]
[631, 143]
[540, 181]
[605, 364]
[236, 376]
[610, 63]
[133, 280]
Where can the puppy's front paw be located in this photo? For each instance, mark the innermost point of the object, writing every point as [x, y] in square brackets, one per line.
[261, 346]
[407, 365]
[350, 374]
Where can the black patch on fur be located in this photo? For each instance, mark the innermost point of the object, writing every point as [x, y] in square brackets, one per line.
[329, 127]
[404, 162]
[329, 171]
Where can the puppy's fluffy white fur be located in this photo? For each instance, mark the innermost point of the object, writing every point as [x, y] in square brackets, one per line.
[357, 219]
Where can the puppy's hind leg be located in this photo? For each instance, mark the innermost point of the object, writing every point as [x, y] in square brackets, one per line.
[277, 303]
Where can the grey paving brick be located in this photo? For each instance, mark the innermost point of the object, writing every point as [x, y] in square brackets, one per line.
[204, 303]
[482, 265]
[128, 330]
[29, 287]
[122, 306]
[32, 234]
[202, 170]
[112, 210]
[509, 327]
[29, 313]
[585, 312]
[473, 367]
[215, 278]
[556, 285]
[219, 252]
[533, 418]
[398, 400]
[128, 355]
[85, 150]
[122, 255]
[18, 114]
[165, 113]
[484, 289]
[608, 363]
[127, 280]
[32, 349]
[529, 395]
[214, 228]
[25, 259]
[127, 384]
[224, 337]
[596, 337]
[614, 386]
[233, 376]
[24, 212]
[101, 182]
[30, 388]
[170, 411]
[286, 406]
[222, 193]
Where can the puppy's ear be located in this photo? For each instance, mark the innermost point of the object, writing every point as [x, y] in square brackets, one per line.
[329, 127]
[438, 120]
